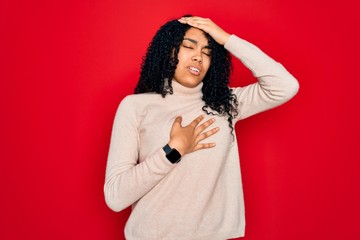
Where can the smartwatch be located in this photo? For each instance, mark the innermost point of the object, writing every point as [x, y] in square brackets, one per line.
[172, 154]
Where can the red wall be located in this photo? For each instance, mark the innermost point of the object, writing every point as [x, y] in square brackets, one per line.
[66, 65]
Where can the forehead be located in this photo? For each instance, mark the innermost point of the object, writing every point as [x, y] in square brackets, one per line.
[196, 34]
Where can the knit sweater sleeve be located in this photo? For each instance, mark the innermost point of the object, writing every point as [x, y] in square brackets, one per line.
[126, 180]
[275, 84]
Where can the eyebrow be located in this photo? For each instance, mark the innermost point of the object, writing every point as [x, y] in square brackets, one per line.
[196, 42]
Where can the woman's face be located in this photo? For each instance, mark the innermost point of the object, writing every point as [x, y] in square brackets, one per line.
[194, 59]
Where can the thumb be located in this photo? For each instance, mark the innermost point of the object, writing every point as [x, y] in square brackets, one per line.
[178, 120]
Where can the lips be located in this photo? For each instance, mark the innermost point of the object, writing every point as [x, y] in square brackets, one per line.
[194, 70]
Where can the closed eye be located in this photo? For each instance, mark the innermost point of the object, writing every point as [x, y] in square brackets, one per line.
[207, 53]
[187, 47]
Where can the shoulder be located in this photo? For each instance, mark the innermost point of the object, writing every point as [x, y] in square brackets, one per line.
[132, 108]
[136, 102]
[140, 99]
[236, 90]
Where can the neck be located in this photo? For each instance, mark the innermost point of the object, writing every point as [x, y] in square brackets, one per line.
[179, 89]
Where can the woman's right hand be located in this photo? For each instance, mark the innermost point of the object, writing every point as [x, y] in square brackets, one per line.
[187, 139]
[208, 26]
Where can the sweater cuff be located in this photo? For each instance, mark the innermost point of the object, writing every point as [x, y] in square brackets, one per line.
[251, 56]
[232, 43]
[242, 49]
[161, 165]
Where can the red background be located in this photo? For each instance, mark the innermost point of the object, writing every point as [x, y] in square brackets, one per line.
[66, 65]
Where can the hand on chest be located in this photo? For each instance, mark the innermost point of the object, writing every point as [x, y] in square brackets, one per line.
[154, 129]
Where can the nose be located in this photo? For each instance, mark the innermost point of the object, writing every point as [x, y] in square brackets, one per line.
[197, 58]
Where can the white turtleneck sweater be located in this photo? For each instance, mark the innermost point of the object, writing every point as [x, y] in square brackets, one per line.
[201, 197]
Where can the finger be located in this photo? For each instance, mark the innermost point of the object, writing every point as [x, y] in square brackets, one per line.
[207, 134]
[203, 126]
[177, 121]
[204, 146]
[197, 120]
[197, 22]
[196, 18]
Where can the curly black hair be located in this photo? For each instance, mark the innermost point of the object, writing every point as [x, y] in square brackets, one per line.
[160, 62]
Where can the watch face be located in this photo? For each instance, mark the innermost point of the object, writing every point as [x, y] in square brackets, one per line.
[174, 156]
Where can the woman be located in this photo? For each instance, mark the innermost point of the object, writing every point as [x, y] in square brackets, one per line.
[173, 154]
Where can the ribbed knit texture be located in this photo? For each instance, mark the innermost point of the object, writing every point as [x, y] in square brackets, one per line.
[201, 197]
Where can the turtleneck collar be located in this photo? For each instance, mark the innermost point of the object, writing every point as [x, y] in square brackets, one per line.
[179, 89]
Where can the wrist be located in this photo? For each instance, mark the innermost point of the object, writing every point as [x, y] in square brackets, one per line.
[224, 38]
[172, 154]
[176, 145]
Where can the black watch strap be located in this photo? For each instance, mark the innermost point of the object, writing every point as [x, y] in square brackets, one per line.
[172, 154]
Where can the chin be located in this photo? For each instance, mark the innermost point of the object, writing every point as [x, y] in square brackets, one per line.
[190, 85]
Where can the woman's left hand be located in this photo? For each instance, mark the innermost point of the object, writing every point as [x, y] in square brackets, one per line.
[208, 26]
